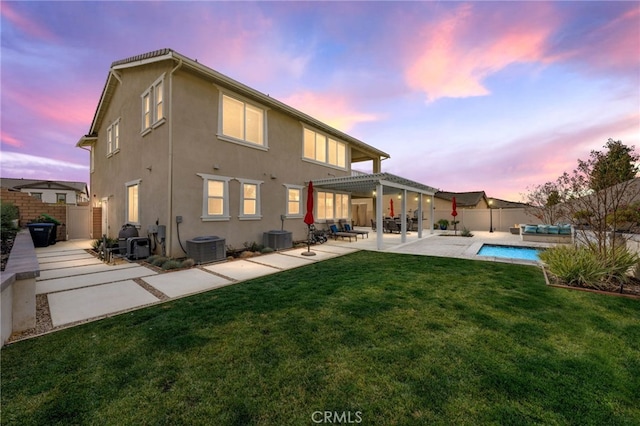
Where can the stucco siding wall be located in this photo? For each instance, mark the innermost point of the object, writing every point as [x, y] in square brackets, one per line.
[195, 121]
[191, 111]
[137, 153]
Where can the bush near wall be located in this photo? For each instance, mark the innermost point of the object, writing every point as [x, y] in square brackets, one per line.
[31, 208]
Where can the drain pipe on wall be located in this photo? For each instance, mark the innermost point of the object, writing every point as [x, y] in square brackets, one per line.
[170, 170]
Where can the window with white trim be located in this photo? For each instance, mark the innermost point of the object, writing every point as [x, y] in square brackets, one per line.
[250, 199]
[61, 198]
[323, 149]
[242, 121]
[113, 137]
[342, 206]
[332, 206]
[294, 200]
[215, 197]
[132, 204]
[153, 105]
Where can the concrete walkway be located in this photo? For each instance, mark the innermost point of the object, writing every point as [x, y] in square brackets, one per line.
[78, 287]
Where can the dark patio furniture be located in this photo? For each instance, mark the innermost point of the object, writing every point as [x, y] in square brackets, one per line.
[391, 226]
[347, 228]
[335, 233]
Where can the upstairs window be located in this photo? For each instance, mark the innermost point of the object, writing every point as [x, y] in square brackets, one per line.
[153, 106]
[61, 198]
[323, 149]
[113, 137]
[242, 122]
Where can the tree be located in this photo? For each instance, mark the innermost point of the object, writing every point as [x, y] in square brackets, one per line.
[597, 194]
[542, 202]
[613, 167]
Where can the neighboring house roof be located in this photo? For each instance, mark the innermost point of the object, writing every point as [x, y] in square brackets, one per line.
[14, 183]
[463, 199]
[360, 152]
[503, 204]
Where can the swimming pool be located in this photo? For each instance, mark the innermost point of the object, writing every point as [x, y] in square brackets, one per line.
[509, 252]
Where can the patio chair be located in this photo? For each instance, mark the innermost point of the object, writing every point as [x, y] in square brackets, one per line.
[391, 226]
[335, 233]
[347, 228]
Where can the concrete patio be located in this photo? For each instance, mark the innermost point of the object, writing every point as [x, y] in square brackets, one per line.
[442, 243]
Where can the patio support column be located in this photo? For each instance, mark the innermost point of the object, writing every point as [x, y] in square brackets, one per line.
[377, 165]
[431, 207]
[379, 216]
[403, 217]
[419, 215]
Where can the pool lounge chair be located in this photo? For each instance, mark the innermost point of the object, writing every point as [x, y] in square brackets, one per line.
[347, 228]
[335, 233]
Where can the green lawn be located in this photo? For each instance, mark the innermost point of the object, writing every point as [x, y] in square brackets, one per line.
[393, 339]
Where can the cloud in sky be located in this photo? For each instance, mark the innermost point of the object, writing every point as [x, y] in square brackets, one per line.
[18, 165]
[330, 108]
[527, 161]
[450, 58]
[504, 81]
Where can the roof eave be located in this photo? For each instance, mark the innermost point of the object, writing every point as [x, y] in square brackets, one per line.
[86, 140]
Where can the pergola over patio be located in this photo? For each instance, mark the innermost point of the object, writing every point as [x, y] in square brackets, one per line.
[374, 185]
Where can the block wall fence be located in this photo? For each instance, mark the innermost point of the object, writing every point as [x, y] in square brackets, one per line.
[30, 208]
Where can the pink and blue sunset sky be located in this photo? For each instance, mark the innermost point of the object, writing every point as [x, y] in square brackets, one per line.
[465, 96]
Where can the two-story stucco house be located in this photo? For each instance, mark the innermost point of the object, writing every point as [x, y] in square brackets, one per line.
[175, 141]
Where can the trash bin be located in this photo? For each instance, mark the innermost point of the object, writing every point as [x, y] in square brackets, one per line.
[53, 237]
[41, 233]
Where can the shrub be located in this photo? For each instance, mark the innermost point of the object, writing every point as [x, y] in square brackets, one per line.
[466, 233]
[171, 264]
[620, 263]
[579, 266]
[159, 261]
[45, 218]
[97, 244]
[443, 223]
[267, 250]
[574, 265]
[187, 263]
[9, 213]
[252, 246]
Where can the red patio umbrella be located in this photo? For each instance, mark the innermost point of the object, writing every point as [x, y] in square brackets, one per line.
[308, 219]
[454, 213]
[391, 204]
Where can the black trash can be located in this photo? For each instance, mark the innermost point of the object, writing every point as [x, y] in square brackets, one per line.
[53, 237]
[41, 233]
